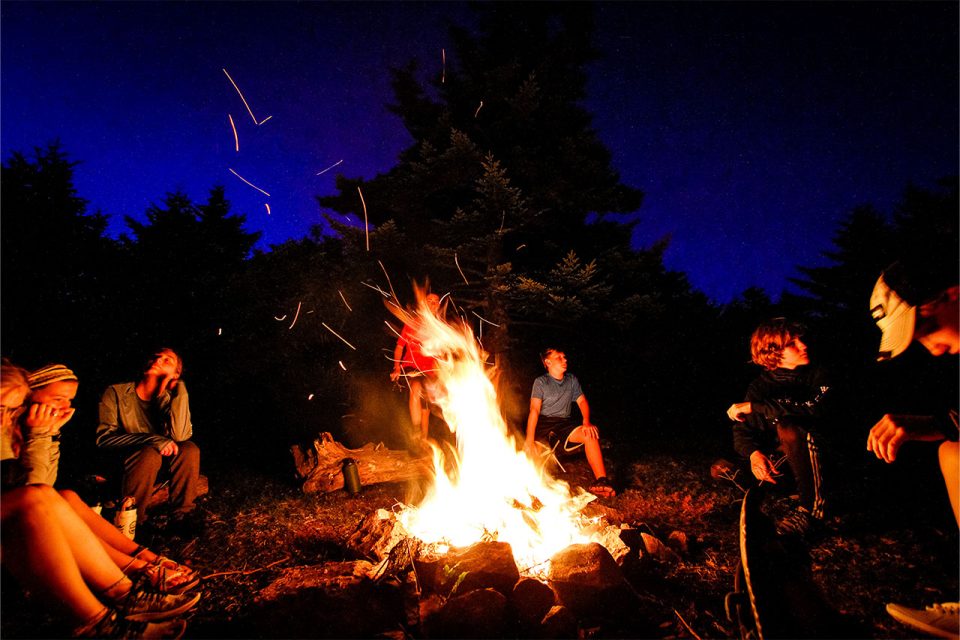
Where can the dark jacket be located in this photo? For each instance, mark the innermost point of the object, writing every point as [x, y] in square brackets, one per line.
[793, 396]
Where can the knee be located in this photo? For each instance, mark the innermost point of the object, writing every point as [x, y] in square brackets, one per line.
[188, 450]
[145, 458]
[70, 496]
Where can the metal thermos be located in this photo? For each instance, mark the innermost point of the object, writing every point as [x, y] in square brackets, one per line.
[351, 476]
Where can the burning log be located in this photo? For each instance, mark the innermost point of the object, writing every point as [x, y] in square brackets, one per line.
[320, 466]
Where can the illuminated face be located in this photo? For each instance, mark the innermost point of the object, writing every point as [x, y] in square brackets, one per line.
[433, 302]
[12, 404]
[58, 395]
[937, 324]
[163, 363]
[794, 354]
[556, 363]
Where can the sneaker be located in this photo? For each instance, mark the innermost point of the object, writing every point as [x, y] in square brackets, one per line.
[141, 605]
[799, 523]
[176, 579]
[112, 625]
[941, 620]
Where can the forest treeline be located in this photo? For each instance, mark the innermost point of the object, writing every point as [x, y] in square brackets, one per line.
[519, 216]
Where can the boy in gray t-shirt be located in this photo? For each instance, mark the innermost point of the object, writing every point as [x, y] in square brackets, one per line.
[550, 421]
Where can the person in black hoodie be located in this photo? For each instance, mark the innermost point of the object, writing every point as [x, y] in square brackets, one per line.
[782, 411]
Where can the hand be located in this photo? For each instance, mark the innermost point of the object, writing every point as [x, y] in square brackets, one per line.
[530, 448]
[589, 432]
[738, 411]
[762, 468]
[892, 431]
[45, 419]
[169, 383]
[170, 449]
[394, 375]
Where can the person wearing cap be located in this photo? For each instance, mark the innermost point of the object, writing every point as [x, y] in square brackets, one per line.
[52, 390]
[784, 409]
[913, 301]
[148, 423]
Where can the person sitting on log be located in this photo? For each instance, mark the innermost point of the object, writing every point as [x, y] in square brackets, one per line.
[783, 409]
[550, 420]
[148, 421]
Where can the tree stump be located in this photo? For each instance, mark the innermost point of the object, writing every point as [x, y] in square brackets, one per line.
[321, 466]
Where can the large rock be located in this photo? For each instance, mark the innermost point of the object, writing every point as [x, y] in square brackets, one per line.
[479, 566]
[333, 600]
[559, 622]
[587, 579]
[481, 613]
[532, 600]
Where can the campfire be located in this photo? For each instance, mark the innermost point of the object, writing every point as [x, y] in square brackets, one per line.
[491, 490]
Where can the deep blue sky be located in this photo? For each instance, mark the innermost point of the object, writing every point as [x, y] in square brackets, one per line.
[752, 128]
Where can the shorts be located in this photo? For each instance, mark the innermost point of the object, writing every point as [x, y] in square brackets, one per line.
[556, 433]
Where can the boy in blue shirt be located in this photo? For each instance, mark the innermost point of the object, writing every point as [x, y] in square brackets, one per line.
[550, 421]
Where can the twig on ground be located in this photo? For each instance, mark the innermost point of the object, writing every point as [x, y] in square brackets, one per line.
[248, 571]
[689, 628]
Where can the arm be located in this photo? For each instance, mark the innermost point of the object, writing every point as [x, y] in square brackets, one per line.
[532, 418]
[584, 409]
[397, 357]
[812, 401]
[175, 405]
[110, 432]
[40, 455]
[888, 435]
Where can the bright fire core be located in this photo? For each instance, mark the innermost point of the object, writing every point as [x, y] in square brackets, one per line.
[494, 491]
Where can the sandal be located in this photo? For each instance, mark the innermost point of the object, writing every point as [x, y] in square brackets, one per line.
[602, 488]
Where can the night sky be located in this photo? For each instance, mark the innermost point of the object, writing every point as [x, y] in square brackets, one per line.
[752, 128]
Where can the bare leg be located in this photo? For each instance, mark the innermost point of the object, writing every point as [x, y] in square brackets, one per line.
[416, 389]
[950, 466]
[591, 447]
[53, 554]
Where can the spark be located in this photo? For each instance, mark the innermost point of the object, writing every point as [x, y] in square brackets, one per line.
[366, 225]
[457, 262]
[241, 97]
[236, 139]
[344, 300]
[330, 167]
[478, 109]
[388, 279]
[338, 335]
[340, 362]
[264, 120]
[482, 319]
[219, 331]
[248, 182]
[268, 207]
[297, 315]
[281, 319]
[443, 56]
[395, 332]
[377, 289]
[310, 397]
[521, 246]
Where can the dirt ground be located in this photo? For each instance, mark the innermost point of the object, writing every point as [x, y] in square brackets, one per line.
[256, 526]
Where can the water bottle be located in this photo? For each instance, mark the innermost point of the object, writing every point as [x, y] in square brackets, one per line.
[351, 476]
[126, 518]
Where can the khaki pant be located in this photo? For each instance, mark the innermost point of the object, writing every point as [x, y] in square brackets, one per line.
[140, 470]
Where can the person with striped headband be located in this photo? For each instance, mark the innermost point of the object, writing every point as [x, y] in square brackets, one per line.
[52, 390]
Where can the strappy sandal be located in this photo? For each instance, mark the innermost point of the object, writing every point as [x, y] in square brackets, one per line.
[602, 488]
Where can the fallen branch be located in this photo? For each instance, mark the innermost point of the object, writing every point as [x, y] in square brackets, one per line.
[689, 628]
[321, 466]
[248, 571]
